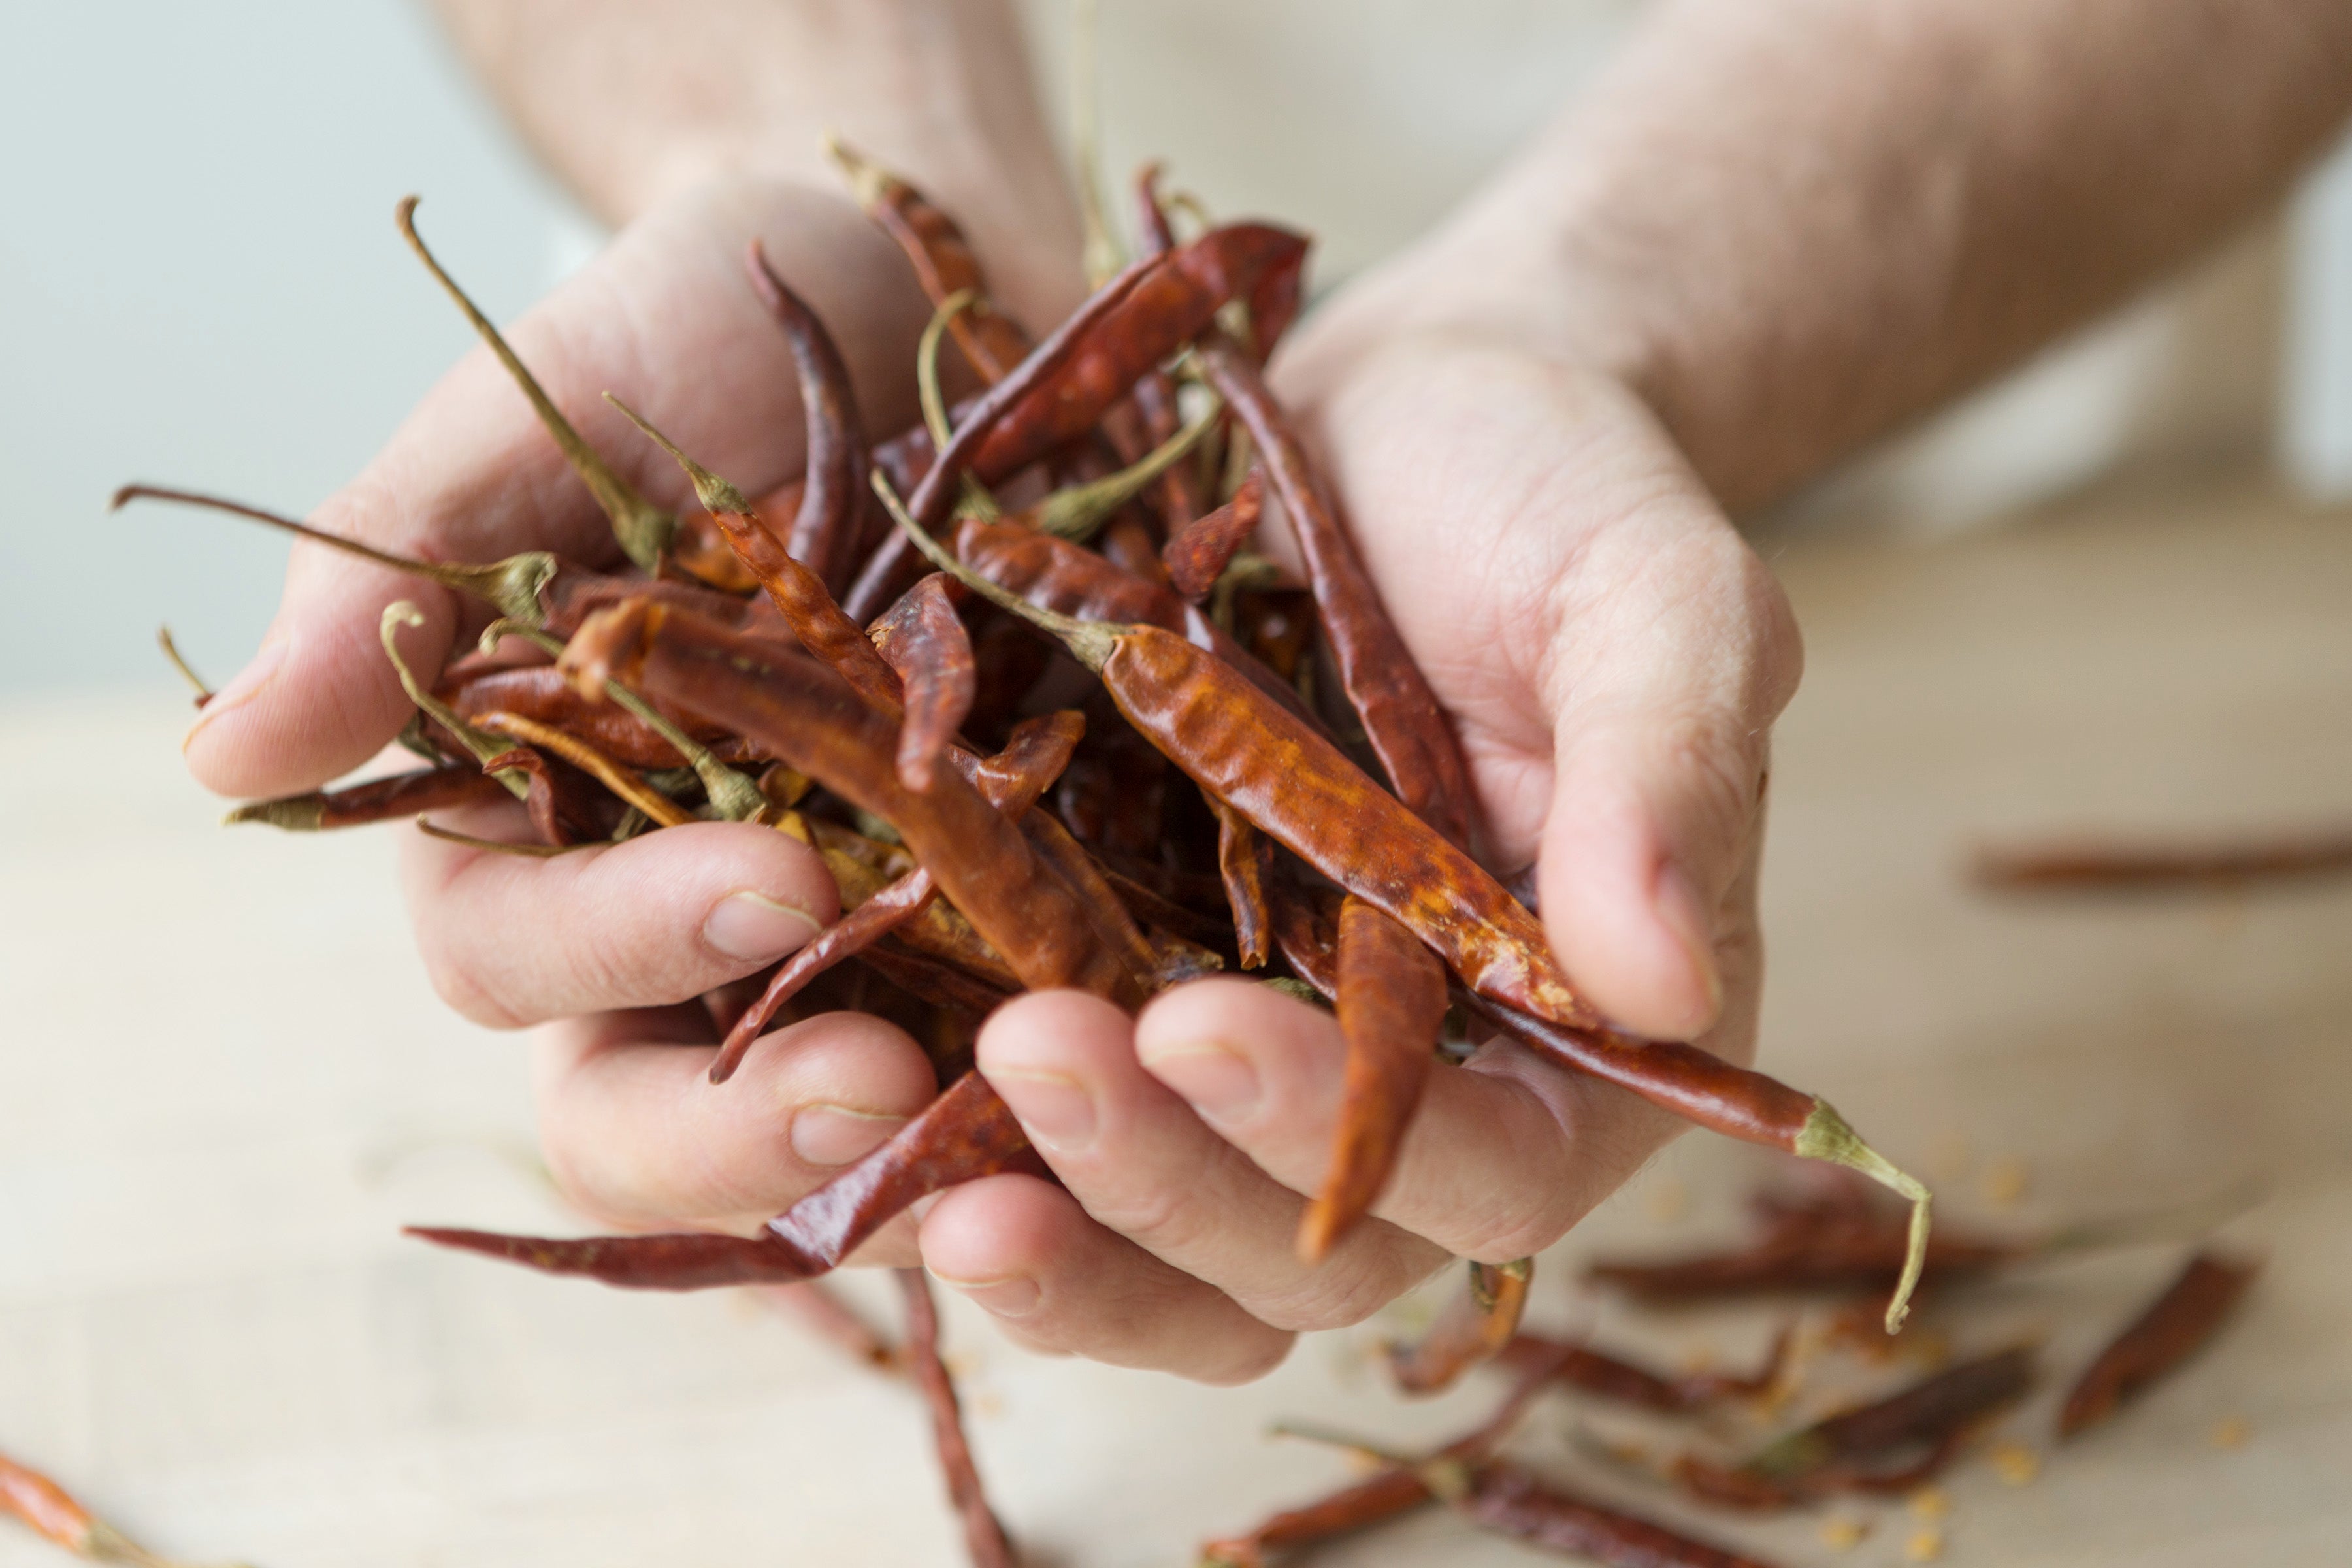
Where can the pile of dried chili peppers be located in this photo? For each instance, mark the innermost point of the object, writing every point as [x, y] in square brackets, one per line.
[1257, 777]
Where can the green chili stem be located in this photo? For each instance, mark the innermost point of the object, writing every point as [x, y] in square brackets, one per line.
[512, 585]
[1826, 1136]
[976, 498]
[401, 612]
[1091, 642]
[172, 651]
[1076, 512]
[644, 529]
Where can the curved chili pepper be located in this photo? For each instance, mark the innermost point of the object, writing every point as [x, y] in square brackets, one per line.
[1624, 1383]
[1391, 1011]
[966, 1133]
[924, 640]
[2174, 1326]
[1408, 731]
[942, 258]
[1011, 781]
[542, 693]
[796, 589]
[548, 816]
[1198, 554]
[1472, 1327]
[833, 487]
[983, 1535]
[624, 786]
[814, 722]
[1890, 1445]
[376, 800]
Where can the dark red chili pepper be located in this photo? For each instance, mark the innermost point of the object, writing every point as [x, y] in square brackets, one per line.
[2163, 866]
[1511, 1501]
[541, 693]
[1391, 1009]
[1012, 782]
[547, 817]
[2174, 1325]
[924, 640]
[965, 1134]
[1197, 554]
[377, 800]
[983, 1536]
[1408, 731]
[1891, 1445]
[1472, 1327]
[1623, 1381]
[832, 493]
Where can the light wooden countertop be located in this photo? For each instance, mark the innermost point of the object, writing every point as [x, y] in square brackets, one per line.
[224, 1084]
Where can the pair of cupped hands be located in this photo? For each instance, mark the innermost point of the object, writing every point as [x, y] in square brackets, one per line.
[1611, 654]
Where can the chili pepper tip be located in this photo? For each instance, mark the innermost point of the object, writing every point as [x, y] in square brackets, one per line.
[1827, 1136]
[295, 814]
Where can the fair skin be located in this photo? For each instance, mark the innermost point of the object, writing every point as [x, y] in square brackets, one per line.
[1770, 233]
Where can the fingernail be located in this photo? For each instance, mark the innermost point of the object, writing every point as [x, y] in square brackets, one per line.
[1216, 1079]
[266, 660]
[835, 1134]
[756, 929]
[1054, 1109]
[1016, 1296]
[1679, 908]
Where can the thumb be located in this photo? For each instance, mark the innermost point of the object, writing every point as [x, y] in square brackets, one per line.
[1664, 701]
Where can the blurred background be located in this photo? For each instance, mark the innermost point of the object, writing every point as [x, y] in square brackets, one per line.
[200, 283]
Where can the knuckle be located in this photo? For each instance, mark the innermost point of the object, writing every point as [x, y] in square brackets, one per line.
[460, 980]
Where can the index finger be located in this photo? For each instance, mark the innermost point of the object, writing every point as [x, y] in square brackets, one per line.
[663, 315]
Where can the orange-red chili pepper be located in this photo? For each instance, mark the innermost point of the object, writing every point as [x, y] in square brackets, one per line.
[983, 1534]
[2174, 1325]
[1246, 862]
[1472, 1328]
[51, 1512]
[1614, 1378]
[924, 640]
[942, 258]
[1391, 1009]
[1199, 552]
[541, 692]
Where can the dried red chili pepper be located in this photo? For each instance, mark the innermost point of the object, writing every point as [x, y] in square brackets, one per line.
[51, 1512]
[1246, 862]
[983, 1535]
[1012, 782]
[1890, 1445]
[1623, 1381]
[543, 694]
[1197, 554]
[924, 640]
[2174, 1325]
[2155, 867]
[796, 589]
[942, 258]
[833, 484]
[966, 1133]
[1391, 1008]
[1509, 1501]
[1472, 1327]
[1408, 731]
[377, 800]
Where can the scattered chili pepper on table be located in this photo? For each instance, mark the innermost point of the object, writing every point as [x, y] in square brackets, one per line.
[2174, 1325]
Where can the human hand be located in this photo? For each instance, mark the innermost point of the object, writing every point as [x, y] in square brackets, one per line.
[1612, 656]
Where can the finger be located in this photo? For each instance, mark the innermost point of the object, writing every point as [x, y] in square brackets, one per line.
[1059, 1283]
[662, 316]
[1665, 700]
[636, 1133]
[1138, 1159]
[1500, 1158]
[510, 941]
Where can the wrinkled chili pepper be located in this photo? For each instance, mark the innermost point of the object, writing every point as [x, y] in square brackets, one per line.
[377, 800]
[51, 1512]
[942, 258]
[2158, 867]
[833, 484]
[924, 640]
[1408, 731]
[980, 859]
[1391, 1009]
[1510, 1500]
[983, 1535]
[1472, 1327]
[1246, 862]
[1197, 554]
[966, 1133]
[1623, 1382]
[1893, 1445]
[796, 589]
[1012, 782]
[2174, 1325]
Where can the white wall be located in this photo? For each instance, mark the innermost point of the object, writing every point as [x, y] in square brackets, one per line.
[200, 282]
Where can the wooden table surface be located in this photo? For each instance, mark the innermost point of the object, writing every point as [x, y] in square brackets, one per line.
[224, 1084]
